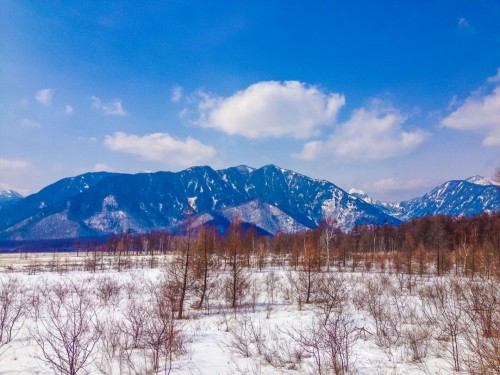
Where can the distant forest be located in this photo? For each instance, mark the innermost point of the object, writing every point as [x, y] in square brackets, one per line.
[428, 245]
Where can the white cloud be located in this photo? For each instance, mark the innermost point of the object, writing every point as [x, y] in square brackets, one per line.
[372, 133]
[271, 109]
[13, 164]
[162, 147]
[100, 167]
[27, 123]
[480, 114]
[68, 109]
[495, 78]
[385, 185]
[310, 151]
[177, 94]
[111, 108]
[44, 96]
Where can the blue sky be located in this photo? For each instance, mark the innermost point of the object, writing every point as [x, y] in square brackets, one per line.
[387, 96]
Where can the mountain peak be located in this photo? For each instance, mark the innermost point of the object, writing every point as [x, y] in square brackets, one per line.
[9, 194]
[480, 180]
[357, 192]
[245, 168]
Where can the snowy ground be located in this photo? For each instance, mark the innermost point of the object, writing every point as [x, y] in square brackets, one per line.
[268, 334]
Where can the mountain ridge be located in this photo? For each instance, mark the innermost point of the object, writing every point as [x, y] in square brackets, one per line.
[104, 204]
[270, 198]
[468, 197]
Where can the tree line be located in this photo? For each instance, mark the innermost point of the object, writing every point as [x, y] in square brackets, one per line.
[437, 244]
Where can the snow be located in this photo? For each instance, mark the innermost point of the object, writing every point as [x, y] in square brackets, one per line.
[480, 180]
[211, 348]
[9, 194]
[265, 216]
[109, 202]
[192, 202]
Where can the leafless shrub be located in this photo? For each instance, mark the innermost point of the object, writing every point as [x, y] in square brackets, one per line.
[247, 337]
[303, 285]
[272, 283]
[133, 322]
[483, 354]
[13, 309]
[482, 306]
[224, 318]
[442, 307]
[330, 345]
[108, 291]
[112, 348]
[254, 291]
[236, 284]
[416, 342]
[372, 299]
[282, 352]
[332, 296]
[163, 339]
[383, 304]
[240, 339]
[67, 331]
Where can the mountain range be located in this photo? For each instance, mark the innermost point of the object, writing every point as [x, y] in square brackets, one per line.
[270, 198]
[454, 198]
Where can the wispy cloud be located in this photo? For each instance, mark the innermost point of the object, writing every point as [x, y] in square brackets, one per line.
[68, 109]
[463, 22]
[27, 123]
[387, 185]
[45, 96]
[162, 147]
[271, 109]
[177, 94]
[13, 164]
[114, 108]
[480, 113]
[310, 151]
[101, 167]
[372, 133]
[495, 78]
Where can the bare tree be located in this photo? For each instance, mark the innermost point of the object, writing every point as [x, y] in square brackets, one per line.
[328, 228]
[304, 281]
[236, 283]
[181, 278]
[204, 263]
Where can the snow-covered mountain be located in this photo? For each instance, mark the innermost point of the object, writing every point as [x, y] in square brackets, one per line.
[271, 198]
[8, 197]
[480, 180]
[457, 197]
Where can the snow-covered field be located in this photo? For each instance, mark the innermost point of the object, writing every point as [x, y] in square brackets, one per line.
[354, 322]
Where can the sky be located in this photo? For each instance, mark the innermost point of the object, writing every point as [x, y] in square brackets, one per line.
[390, 97]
